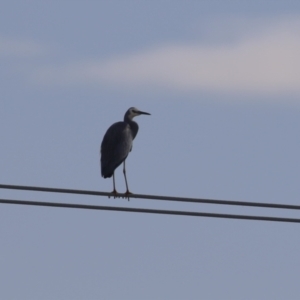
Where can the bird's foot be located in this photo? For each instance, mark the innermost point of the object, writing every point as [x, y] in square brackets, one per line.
[115, 194]
[127, 195]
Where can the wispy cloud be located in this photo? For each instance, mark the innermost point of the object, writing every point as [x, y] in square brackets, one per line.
[264, 62]
[13, 47]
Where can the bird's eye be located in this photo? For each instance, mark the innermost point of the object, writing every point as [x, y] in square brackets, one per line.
[134, 111]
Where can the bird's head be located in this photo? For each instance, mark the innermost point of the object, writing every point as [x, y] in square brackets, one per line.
[133, 112]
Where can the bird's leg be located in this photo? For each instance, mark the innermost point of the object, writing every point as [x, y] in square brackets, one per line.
[127, 190]
[114, 191]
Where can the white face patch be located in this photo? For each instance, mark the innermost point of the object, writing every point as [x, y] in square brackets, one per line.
[133, 112]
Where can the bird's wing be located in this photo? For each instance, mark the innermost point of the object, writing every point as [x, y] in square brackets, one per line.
[116, 144]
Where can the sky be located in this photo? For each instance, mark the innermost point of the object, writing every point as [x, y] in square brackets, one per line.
[221, 80]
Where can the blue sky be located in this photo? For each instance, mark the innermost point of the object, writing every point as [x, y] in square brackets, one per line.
[221, 80]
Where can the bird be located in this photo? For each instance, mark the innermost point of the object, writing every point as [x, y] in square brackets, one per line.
[116, 145]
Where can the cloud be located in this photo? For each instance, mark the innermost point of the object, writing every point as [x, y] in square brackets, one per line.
[264, 62]
[12, 47]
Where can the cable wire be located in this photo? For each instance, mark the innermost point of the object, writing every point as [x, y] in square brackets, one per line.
[149, 197]
[150, 211]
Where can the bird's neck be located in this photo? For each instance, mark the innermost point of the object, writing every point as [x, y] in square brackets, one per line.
[133, 126]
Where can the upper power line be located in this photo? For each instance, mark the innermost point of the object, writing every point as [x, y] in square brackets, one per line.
[150, 197]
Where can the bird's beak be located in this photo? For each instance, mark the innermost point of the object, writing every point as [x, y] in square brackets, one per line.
[143, 113]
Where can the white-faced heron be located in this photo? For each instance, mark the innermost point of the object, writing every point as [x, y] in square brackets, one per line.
[117, 143]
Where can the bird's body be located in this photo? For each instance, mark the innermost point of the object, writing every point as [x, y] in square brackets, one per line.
[117, 143]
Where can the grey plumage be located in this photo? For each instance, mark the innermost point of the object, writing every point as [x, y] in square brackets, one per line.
[117, 143]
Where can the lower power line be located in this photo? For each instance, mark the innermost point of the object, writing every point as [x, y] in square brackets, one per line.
[150, 211]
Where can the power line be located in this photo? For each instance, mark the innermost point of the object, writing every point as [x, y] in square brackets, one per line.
[150, 211]
[149, 197]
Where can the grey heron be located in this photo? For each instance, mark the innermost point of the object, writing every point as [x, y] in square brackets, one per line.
[116, 145]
